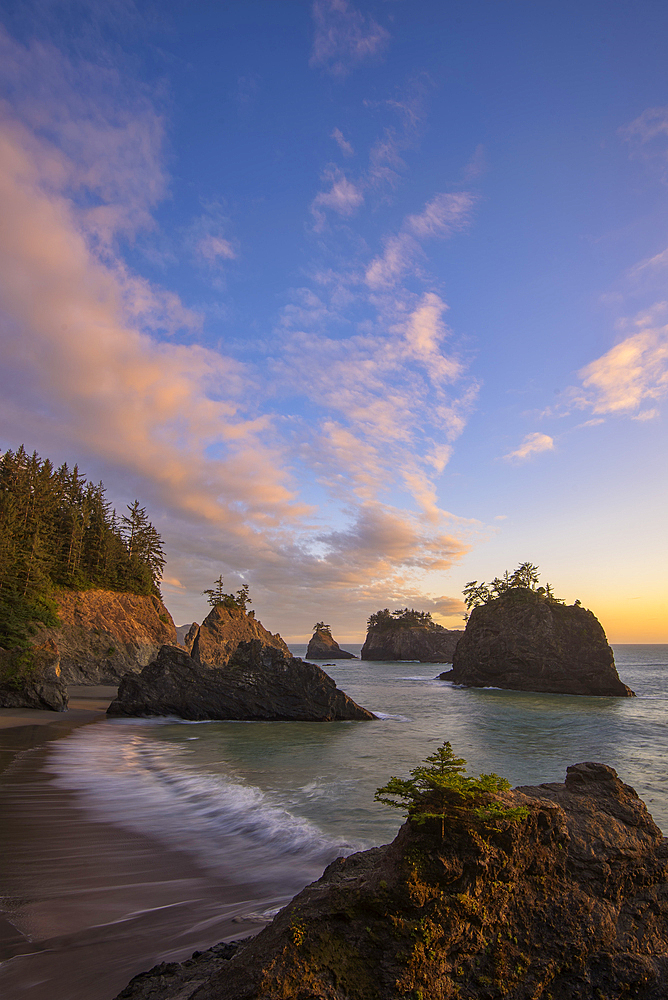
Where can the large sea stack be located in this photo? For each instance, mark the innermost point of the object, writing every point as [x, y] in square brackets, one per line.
[568, 901]
[409, 636]
[257, 682]
[526, 642]
[323, 646]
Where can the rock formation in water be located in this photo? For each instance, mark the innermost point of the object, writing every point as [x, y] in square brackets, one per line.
[104, 633]
[525, 642]
[216, 639]
[32, 678]
[412, 636]
[568, 901]
[257, 682]
[324, 647]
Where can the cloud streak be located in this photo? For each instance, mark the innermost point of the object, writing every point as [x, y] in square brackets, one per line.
[344, 38]
[532, 445]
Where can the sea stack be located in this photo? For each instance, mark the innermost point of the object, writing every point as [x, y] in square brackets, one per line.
[258, 682]
[324, 647]
[409, 635]
[215, 640]
[525, 641]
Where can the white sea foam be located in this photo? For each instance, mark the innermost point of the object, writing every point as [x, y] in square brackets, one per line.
[136, 782]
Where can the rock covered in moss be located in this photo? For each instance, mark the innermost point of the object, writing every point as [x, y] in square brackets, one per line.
[323, 646]
[32, 678]
[526, 642]
[568, 901]
[258, 682]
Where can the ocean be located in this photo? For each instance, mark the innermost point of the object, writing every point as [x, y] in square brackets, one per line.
[130, 842]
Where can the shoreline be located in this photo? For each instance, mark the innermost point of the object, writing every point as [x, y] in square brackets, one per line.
[119, 900]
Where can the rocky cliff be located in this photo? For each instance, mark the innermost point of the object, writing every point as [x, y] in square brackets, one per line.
[104, 634]
[427, 643]
[324, 647]
[258, 682]
[568, 901]
[524, 642]
[32, 678]
[215, 640]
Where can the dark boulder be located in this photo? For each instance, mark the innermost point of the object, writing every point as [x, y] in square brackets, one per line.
[324, 647]
[427, 643]
[32, 678]
[258, 682]
[525, 642]
[566, 899]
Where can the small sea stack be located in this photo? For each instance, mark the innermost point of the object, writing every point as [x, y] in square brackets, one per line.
[323, 646]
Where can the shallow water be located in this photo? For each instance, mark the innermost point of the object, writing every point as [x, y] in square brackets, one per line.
[260, 808]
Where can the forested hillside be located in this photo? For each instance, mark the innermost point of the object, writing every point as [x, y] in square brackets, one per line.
[58, 530]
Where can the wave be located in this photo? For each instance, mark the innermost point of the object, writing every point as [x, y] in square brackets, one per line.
[133, 781]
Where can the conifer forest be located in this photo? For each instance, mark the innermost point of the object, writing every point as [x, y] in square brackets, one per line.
[59, 530]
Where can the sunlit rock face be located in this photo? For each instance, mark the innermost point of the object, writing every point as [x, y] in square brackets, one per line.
[258, 682]
[525, 642]
[219, 635]
[324, 647]
[428, 644]
[105, 633]
[568, 900]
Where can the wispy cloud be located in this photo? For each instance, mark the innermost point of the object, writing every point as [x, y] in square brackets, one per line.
[343, 144]
[627, 376]
[533, 444]
[344, 37]
[342, 197]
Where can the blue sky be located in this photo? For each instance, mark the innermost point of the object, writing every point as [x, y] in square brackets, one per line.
[362, 301]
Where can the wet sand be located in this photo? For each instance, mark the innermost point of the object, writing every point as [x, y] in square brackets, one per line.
[84, 906]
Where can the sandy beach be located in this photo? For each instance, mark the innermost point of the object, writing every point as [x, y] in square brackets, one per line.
[84, 906]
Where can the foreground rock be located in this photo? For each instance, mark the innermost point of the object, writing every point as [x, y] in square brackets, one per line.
[324, 647]
[216, 639]
[524, 642]
[428, 644]
[258, 682]
[104, 634]
[32, 679]
[568, 901]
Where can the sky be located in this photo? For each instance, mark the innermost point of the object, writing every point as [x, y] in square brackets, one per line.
[362, 301]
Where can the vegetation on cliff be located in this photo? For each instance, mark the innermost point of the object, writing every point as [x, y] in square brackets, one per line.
[57, 530]
[217, 596]
[439, 787]
[401, 618]
[526, 576]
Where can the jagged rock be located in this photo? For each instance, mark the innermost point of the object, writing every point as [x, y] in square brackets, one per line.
[257, 682]
[32, 678]
[216, 639]
[568, 901]
[105, 633]
[524, 642]
[427, 643]
[323, 647]
[182, 633]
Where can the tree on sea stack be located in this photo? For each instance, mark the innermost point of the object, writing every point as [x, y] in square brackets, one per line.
[434, 790]
[325, 629]
[216, 596]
